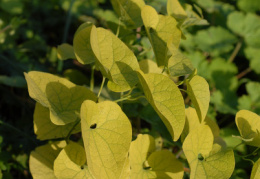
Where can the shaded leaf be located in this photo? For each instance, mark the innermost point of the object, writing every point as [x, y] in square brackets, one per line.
[256, 170]
[175, 9]
[45, 129]
[65, 51]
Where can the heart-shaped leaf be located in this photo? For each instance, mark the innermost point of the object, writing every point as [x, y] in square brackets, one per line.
[107, 134]
[45, 129]
[248, 124]
[205, 159]
[71, 163]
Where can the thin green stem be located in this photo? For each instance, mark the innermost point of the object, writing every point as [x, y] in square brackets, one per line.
[118, 27]
[128, 98]
[183, 90]
[235, 52]
[18, 131]
[65, 34]
[6, 28]
[92, 80]
[238, 145]
[253, 153]
[69, 134]
[101, 87]
[130, 91]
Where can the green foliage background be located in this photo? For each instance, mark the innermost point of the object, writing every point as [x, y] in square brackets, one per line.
[226, 52]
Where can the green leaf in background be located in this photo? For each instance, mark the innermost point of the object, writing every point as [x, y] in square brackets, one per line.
[42, 159]
[207, 160]
[249, 5]
[71, 163]
[147, 163]
[13, 81]
[129, 11]
[81, 44]
[198, 91]
[65, 51]
[12, 7]
[256, 170]
[160, 33]
[166, 99]
[253, 55]
[178, 64]
[76, 77]
[115, 60]
[248, 125]
[247, 26]
[45, 129]
[215, 40]
[102, 124]
[175, 9]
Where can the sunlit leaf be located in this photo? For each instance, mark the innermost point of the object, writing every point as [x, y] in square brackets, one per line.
[42, 159]
[165, 30]
[145, 162]
[205, 159]
[198, 91]
[175, 9]
[166, 99]
[256, 170]
[248, 125]
[129, 11]
[81, 44]
[115, 60]
[149, 66]
[45, 129]
[107, 134]
[71, 163]
[65, 51]
[149, 17]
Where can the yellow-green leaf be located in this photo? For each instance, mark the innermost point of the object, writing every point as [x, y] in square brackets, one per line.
[65, 51]
[42, 159]
[81, 44]
[147, 163]
[166, 99]
[248, 124]
[115, 60]
[178, 64]
[175, 9]
[45, 129]
[150, 17]
[198, 91]
[37, 82]
[149, 66]
[129, 11]
[62, 97]
[205, 159]
[107, 134]
[71, 163]
[65, 102]
[255, 174]
[165, 30]
[193, 122]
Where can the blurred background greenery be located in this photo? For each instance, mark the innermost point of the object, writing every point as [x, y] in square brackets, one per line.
[223, 44]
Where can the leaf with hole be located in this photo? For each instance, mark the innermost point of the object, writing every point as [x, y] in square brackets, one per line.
[107, 135]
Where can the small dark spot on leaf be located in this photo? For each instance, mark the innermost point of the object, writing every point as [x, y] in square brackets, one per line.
[82, 167]
[200, 157]
[147, 168]
[93, 126]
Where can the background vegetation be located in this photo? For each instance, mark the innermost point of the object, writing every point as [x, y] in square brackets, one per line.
[224, 46]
